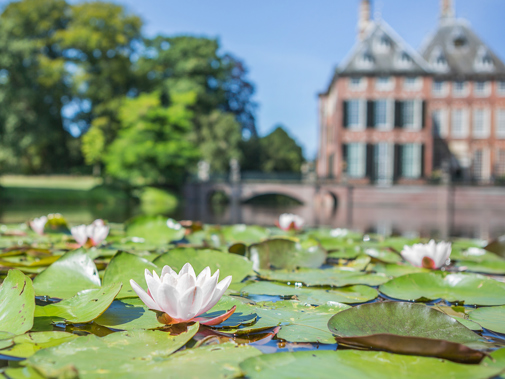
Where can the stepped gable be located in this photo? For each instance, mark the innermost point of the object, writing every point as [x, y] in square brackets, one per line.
[454, 50]
[382, 52]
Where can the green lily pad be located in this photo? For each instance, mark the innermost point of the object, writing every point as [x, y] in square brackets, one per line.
[395, 270]
[118, 354]
[402, 319]
[468, 288]
[352, 364]
[491, 318]
[23, 373]
[28, 344]
[347, 253]
[458, 316]
[128, 314]
[244, 233]
[17, 303]
[314, 296]
[474, 255]
[73, 272]
[328, 277]
[383, 255]
[485, 267]
[125, 266]
[287, 254]
[228, 264]
[84, 307]
[154, 229]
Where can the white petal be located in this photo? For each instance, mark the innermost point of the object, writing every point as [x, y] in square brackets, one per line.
[412, 256]
[79, 233]
[153, 284]
[202, 277]
[148, 300]
[218, 293]
[99, 234]
[188, 269]
[208, 288]
[167, 270]
[168, 298]
[285, 220]
[169, 279]
[190, 303]
[185, 282]
[155, 275]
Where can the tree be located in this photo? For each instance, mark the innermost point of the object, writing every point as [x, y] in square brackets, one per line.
[153, 146]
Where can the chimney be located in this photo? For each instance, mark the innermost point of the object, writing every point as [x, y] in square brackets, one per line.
[363, 18]
[446, 9]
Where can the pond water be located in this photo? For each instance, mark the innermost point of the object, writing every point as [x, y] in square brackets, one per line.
[485, 223]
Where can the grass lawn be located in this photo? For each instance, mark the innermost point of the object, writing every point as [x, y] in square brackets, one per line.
[65, 182]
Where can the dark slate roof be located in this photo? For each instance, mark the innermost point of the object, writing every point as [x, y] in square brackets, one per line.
[382, 52]
[455, 50]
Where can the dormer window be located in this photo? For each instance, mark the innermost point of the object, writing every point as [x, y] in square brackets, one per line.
[366, 59]
[383, 43]
[459, 39]
[438, 60]
[404, 60]
[483, 60]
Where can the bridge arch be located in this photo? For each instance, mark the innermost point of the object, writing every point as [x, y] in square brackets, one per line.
[278, 197]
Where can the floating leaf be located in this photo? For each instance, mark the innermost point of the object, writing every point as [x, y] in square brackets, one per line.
[334, 277]
[315, 296]
[491, 318]
[287, 254]
[352, 364]
[154, 229]
[128, 314]
[485, 267]
[17, 303]
[118, 354]
[125, 266]
[246, 234]
[468, 288]
[24, 373]
[84, 307]
[383, 255]
[28, 344]
[228, 264]
[73, 272]
[395, 270]
[407, 328]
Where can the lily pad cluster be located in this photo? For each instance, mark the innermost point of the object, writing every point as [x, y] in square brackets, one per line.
[308, 303]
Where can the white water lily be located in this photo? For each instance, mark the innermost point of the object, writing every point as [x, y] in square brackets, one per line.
[289, 221]
[93, 234]
[182, 297]
[431, 255]
[38, 224]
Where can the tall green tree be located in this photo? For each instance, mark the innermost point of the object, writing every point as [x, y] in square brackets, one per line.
[33, 87]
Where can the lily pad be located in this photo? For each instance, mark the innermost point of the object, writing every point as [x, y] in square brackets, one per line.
[246, 234]
[395, 270]
[352, 364]
[407, 328]
[118, 354]
[28, 344]
[125, 266]
[314, 296]
[347, 253]
[23, 373]
[155, 229]
[228, 264]
[474, 255]
[492, 318]
[468, 288]
[128, 314]
[73, 272]
[84, 307]
[17, 303]
[383, 255]
[334, 277]
[287, 254]
[485, 267]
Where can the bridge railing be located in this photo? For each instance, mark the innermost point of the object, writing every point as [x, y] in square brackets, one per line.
[254, 176]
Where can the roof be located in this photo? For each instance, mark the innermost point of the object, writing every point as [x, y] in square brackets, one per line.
[455, 50]
[382, 52]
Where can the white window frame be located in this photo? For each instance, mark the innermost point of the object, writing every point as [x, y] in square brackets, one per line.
[412, 166]
[442, 120]
[388, 122]
[500, 87]
[485, 92]
[356, 160]
[357, 87]
[500, 123]
[443, 90]
[389, 86]
[384, 162]
[460, 93]
[360, 125]
[464, 123]
[416, 124]
[481, 116]
[415, 85]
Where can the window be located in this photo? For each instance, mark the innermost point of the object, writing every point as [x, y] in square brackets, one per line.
[403, 60]
[412, 83]
[481, 89]
[439, 117]
[439, 88]
[411, 160]
[500, 123]
[384, 43]
[501, 87]
[459, 127]
[438, 60]
[384, 83]
[478, 161]
[357, 84]
[500, 163]
[384, 164]
[459, 89]
[481, 123]
[366, 59]
[356, 160]
[381, 115]
[408, 121]
[354, 114]
[483, 60]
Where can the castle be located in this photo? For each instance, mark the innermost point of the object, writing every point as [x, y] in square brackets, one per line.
[392, 114]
